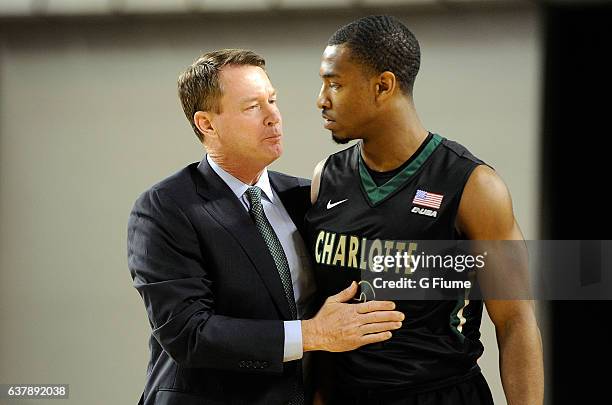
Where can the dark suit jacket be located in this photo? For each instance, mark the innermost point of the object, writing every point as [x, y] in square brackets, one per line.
[213, 295]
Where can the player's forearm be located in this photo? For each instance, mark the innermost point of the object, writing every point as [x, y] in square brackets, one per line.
[521, 362]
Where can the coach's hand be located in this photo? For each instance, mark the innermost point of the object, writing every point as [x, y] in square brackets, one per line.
[340, 327]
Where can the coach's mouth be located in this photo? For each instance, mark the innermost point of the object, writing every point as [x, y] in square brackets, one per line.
[273, 138]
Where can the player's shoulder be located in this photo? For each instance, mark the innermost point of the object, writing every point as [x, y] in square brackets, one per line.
[460, 151]
[485, 210]
[339, 159]
[336, 160]
[481, 177]
[484, 178]
[344, 154]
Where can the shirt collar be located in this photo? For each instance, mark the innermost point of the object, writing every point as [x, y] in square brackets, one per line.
[238, 187]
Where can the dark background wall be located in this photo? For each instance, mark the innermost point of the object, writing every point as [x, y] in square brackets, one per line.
[575, 182]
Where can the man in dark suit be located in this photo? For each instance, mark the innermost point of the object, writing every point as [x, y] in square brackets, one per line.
[216, 254]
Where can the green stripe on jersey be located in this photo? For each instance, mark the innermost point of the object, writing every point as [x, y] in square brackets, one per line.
[375, 193]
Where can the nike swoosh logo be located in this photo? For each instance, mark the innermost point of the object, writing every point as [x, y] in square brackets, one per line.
[331, 205]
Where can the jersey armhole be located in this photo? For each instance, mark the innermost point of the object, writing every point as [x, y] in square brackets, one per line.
[316, 201]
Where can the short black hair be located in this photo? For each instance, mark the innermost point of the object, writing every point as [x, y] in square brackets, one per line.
[382, 43]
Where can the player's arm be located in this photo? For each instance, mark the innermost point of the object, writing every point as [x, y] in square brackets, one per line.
[316, 181]
[485, 213]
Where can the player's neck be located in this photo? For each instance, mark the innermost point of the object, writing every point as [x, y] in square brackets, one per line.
[396, 140]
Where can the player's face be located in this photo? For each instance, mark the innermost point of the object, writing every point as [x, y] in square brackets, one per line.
[345, 99]
[249, 125]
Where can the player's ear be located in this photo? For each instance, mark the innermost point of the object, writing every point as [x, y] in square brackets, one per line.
[386, 86]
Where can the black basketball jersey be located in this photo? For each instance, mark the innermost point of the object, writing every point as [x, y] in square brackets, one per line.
[439, 341]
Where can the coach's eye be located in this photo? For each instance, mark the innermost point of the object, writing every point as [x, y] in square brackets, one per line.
[334, 86]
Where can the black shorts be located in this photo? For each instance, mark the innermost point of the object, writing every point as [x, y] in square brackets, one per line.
[473, 391]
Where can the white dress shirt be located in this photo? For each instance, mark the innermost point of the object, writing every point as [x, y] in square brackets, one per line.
[293, 245]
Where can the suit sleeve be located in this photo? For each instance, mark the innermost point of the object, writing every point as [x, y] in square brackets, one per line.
[166, 265]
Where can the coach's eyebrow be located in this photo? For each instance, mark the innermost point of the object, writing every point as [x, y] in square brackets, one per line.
[256, 98]
[247, 100]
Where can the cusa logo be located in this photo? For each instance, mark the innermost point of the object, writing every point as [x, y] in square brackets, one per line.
[424, 211]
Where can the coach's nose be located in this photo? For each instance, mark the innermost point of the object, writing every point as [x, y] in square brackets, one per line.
[273, 117]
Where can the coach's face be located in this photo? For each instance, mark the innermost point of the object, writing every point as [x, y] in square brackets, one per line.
[346, 98]
[248, 126]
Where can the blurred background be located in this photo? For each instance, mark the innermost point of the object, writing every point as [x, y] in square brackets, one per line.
[90, 118]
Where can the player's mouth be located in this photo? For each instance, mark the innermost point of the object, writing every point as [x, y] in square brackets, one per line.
[327, 122]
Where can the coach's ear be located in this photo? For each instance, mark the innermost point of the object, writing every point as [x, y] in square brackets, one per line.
[386, 86]
[203, 120]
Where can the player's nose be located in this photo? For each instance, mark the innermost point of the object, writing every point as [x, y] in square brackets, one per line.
[323, 101]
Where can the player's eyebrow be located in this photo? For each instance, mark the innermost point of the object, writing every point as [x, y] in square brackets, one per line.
[329, 75]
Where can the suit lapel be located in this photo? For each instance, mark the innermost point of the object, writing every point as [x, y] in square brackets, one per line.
[221, 203]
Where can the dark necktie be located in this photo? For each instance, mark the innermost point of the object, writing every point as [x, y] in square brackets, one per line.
[278, 254]
[274, 245]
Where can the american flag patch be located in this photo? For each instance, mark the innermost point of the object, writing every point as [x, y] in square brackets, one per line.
[427, 199]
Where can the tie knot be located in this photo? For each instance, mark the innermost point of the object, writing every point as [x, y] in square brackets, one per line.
[254, 195]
